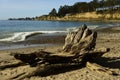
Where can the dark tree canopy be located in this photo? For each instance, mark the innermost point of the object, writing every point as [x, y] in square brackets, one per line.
[53, 12]
[81, 7]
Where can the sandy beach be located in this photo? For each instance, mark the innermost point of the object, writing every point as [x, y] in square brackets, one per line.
[107, 37]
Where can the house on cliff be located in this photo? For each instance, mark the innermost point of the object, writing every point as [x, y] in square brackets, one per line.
[115, 7]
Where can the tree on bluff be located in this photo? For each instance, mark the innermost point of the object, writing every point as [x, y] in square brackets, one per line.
[63, 10]
[53, 12]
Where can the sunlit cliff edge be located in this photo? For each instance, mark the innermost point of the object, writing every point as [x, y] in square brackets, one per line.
[83, 16]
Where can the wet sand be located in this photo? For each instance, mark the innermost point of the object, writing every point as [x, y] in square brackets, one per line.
[107, 37]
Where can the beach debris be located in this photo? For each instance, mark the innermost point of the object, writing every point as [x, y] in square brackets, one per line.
[99, 69]
[79, 50]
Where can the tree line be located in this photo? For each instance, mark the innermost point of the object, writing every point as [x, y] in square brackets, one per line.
[81, 7]
[27, 18]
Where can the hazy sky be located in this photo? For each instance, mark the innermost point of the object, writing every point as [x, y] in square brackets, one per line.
[31, 8]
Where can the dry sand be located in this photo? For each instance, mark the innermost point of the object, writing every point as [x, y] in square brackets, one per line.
[109, 38]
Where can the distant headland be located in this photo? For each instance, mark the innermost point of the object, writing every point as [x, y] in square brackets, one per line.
[94, 10]
[27, 18]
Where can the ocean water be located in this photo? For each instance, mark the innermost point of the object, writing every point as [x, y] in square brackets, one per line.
[14, 34]
[14, 31]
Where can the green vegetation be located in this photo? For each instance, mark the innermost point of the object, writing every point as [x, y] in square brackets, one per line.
[102, 7]
[53, 12]
[82, 7]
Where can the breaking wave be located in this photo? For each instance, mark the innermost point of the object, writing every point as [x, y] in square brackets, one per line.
[21, 36]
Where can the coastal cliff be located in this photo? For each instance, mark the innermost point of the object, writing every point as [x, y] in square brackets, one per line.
[83, 16]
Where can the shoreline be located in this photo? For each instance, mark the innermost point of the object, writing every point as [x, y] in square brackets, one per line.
[89, 19]
[35, 41]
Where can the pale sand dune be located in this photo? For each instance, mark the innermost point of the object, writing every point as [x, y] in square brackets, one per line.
[111, 60]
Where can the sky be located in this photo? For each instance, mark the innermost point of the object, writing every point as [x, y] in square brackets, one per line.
[31, 8]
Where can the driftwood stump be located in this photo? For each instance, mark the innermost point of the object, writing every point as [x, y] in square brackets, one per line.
[80, 43]
[80, 40]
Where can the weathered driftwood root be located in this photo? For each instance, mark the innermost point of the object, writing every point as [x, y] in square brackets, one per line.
[55, 62]
[33, 58]
[43, 57]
